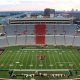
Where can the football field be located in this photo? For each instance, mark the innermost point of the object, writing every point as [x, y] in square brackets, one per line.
[29, 58]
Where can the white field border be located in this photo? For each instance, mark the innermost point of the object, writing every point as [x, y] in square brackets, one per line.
[41, 69]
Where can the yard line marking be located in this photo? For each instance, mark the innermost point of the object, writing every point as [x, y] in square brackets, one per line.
[54, 60]
[18, 59]
[27, 60]
[61, 65]
[11, 65]
[14, 57]
[33, 79]
[47, 51]
[18, 51]
[32, 51]
[71, 65]
[51, 65]
[71, 59]
[66, 57]
[39, 49]
[49, 59]
[60, 53]
[75, 58]
[10, 60]
[22, 57]
[58, 57]
[36, 60]
[2, 64]
[17, 62]
[62, 56]
[45, 60]
[10, 51]
[4, 58]
[64, 62]
[21, 66]
[63, 51]
[40, 65]
[31, 61]
[30, 65]
[56, 51]
[45, 63]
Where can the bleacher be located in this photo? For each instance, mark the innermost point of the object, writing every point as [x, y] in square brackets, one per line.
[54, 34]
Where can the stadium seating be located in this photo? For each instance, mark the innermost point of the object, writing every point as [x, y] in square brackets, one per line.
[53, 34]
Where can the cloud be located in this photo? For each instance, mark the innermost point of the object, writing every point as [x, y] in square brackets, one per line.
[39, 4]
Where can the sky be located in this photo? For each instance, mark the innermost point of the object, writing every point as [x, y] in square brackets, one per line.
[13, 5]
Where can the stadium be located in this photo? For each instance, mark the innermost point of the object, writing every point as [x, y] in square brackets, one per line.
[40, 48]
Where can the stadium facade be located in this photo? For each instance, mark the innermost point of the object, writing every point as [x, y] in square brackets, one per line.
[39, 30]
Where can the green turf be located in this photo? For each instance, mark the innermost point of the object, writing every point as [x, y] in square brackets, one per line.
[55, 58]
[25, 58]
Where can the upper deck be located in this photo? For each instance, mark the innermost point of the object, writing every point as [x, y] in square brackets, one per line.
[41, 19]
